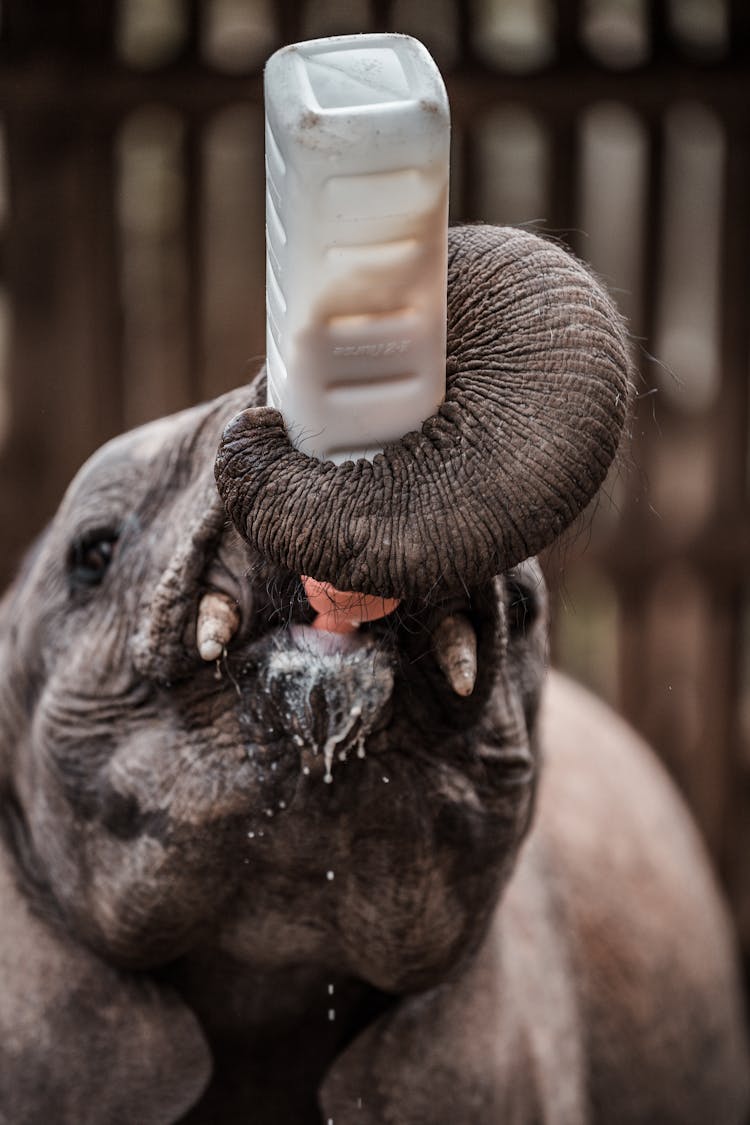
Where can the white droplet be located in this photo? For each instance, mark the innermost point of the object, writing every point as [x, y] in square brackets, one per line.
[251, 835]
[328, 778]
[330, 990]
[330, 876]
[282, 804]
[332, 1013]
[386, 779]
[269, 812]
[305, 770]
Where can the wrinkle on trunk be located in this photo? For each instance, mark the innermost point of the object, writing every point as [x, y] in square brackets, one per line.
[538, 388]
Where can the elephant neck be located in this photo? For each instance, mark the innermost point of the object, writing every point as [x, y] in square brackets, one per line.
[273, 1034]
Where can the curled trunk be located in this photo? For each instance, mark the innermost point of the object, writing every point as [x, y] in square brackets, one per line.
[538, 384]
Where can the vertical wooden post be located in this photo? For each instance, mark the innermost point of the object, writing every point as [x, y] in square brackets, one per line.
[64, 366]
[732, 417]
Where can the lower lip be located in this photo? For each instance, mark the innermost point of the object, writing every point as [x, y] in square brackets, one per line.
[323, 643]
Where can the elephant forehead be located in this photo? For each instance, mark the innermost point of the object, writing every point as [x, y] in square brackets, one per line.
[141, 445]
[194, 430]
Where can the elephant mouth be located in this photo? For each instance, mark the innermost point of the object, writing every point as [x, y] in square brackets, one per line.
[338, 697]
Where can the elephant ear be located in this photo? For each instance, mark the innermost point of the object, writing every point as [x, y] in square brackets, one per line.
[79, 1041]
[538, 387]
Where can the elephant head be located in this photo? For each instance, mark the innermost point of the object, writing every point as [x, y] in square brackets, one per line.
[304, 799]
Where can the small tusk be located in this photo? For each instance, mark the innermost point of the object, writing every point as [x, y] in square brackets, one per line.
[456, 652]
[218, 621]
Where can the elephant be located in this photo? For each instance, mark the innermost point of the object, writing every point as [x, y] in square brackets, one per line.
[255, 871]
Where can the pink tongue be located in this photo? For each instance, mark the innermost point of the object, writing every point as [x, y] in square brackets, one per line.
[341, 611]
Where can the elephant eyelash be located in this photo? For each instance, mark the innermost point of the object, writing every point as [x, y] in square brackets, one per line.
[90, 556]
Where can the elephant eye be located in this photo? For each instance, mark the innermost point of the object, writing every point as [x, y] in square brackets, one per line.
[90, 556]
[522, 607]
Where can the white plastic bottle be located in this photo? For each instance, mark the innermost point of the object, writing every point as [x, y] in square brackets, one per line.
[357, 148]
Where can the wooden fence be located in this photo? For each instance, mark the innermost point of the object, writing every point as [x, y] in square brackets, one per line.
[131, 284]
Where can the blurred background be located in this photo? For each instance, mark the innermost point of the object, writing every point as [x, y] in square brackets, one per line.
[132, 285]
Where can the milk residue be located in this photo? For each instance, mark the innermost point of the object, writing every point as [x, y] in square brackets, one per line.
[328, 699]
[336, 739]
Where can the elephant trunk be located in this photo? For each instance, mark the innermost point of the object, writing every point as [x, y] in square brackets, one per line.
[538, 388]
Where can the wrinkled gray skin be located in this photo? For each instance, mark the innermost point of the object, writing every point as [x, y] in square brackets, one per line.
[186, 902]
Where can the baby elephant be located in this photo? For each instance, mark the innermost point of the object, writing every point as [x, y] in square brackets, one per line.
[254, 871]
